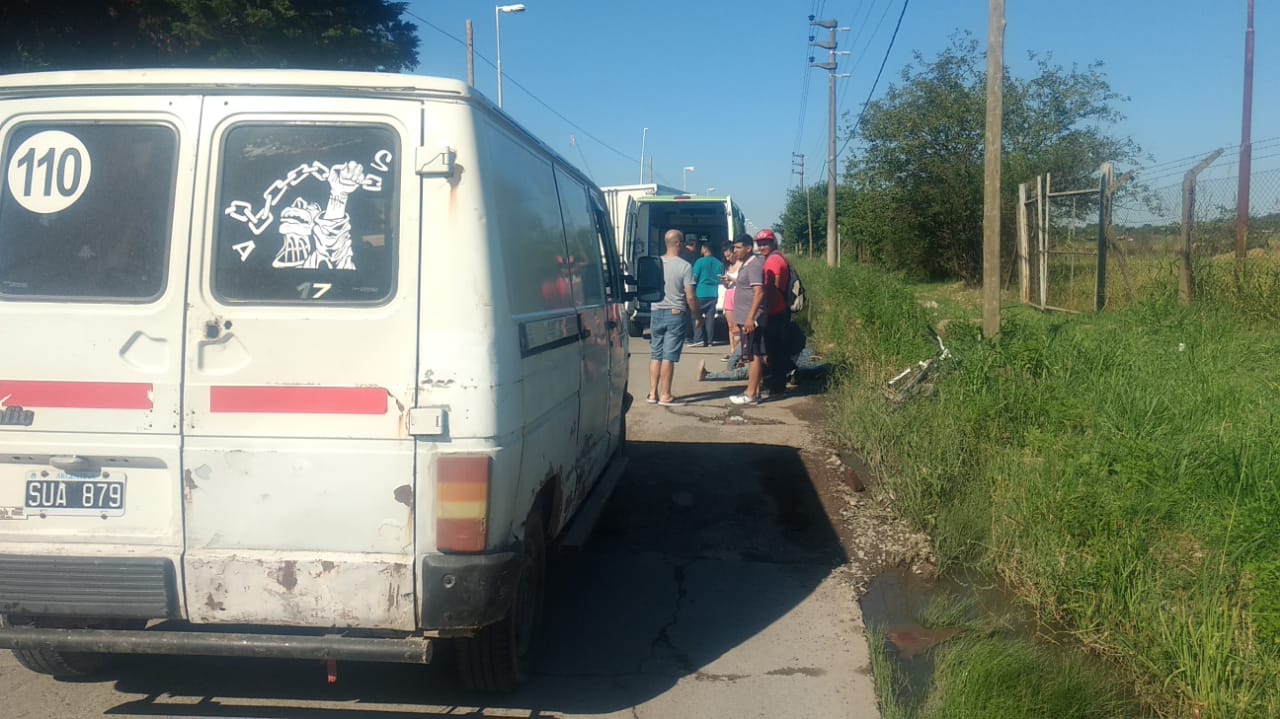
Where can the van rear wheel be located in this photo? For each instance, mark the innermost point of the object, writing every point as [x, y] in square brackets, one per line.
[497, 658]
[63, 665]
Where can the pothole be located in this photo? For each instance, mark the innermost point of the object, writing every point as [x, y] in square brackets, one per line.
[738, 417]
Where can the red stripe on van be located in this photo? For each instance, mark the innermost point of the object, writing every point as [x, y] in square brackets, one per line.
[298, 400]
[76, 395]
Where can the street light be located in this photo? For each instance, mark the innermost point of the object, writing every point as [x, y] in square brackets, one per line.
[497, 28]
[684, 178]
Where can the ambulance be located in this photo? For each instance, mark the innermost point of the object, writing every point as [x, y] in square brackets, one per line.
[294, 364]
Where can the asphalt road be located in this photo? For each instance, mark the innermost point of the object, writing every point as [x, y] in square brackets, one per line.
[714, 585]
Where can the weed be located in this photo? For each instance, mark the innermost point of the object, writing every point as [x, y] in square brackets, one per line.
[1120, 471]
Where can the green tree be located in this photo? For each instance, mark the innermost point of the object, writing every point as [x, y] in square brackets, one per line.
[79, 34]
[918, 175]
[795, 220]
[794, 223]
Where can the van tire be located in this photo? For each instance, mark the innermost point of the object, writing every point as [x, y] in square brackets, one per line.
[497, 659]
[63, 665]
[635, 328]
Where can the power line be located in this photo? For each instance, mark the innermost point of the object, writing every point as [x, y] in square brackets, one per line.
[860, 55]
[804, 94]
[879, 24]
[858, 123]
[815, 10]
[526, 90]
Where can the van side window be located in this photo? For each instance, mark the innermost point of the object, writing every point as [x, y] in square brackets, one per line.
[87, 211]
[580, 237]
[525, 210]
[307, 214]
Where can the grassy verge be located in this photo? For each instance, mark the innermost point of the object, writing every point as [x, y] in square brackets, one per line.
[1120, 472]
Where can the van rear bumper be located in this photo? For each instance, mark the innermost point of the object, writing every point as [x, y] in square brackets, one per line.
[408, 650]
[468, 591]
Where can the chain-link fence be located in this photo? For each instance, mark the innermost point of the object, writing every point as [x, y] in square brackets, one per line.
[1153, 241]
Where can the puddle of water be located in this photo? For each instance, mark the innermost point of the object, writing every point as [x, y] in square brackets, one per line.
[918, 614]
[913, 640]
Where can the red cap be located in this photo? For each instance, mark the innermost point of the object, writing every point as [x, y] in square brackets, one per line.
[766, 236]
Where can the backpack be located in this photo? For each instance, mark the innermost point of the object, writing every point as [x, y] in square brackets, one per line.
[795, 290]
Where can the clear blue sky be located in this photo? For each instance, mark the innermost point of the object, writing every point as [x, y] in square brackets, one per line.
[720, 84]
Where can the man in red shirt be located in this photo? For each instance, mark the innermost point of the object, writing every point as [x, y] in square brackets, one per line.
[777, 274]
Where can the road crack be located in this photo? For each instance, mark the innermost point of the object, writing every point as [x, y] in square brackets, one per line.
[663, 638]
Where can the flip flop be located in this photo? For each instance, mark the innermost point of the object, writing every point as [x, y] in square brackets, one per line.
[651, 400]
[673, 402]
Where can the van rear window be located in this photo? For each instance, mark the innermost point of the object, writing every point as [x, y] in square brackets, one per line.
[86, 211]
[306, 214]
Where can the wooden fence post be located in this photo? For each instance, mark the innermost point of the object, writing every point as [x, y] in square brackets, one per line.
[1188, 219]
[1024, 261]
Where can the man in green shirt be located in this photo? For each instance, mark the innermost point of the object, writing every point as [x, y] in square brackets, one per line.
[707, 272]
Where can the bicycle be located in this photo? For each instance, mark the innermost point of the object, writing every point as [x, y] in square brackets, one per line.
[911, 381]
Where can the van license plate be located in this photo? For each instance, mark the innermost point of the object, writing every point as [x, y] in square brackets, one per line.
[64, 494]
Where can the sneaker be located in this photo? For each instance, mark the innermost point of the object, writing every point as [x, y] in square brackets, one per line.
[742, 399]
[702, 371]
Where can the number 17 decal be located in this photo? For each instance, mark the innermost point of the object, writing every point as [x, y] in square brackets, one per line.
[314, 290]
[49, 171]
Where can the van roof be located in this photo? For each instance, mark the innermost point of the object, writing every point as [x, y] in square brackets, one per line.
[682, 198]
[206, 80]
[256, 81]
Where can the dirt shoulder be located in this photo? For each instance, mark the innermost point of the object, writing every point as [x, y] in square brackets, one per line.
[871, 534]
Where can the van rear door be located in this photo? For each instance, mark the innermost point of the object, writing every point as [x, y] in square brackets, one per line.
[301, 356]
[93, 221]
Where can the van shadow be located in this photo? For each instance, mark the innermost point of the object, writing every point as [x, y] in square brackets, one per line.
[701, 547]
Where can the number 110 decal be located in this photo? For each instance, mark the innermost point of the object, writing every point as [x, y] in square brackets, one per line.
[49, 171]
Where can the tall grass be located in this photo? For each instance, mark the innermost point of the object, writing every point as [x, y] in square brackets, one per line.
[1122, 472]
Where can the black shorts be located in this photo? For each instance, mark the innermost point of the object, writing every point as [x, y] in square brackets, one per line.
[752, 343]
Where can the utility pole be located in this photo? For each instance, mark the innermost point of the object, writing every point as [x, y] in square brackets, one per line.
[1246, 147]
[830, 67]
[471, 57]
[798, 168]
[643, 135]
[991, 173]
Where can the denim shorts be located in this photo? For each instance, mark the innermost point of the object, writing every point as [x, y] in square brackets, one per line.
[666, 334]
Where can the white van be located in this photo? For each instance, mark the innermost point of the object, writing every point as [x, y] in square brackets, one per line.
[296, 364]
[617, 198]
[714, 220]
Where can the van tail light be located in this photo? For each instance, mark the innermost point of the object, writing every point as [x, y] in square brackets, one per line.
[462, 502]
